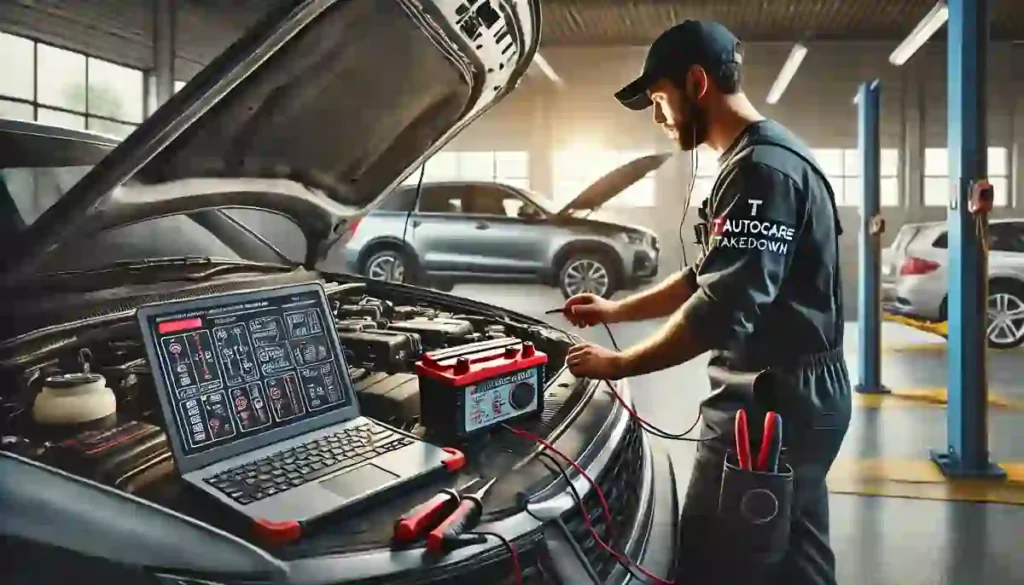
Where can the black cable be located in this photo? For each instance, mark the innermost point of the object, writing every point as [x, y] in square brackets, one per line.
[644, 424]
[578, 499]
[408, 215]
[513, 555]
[694, 165]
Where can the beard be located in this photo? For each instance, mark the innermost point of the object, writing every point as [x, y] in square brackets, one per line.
[691, 133]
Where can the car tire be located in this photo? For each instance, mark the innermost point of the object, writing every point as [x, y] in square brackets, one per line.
[1005, 299]
[588, 273]
[387, 265]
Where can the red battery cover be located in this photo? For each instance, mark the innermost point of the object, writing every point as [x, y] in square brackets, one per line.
[468, 364]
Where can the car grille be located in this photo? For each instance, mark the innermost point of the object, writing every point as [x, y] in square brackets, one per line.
[643, 264]
[621, 481]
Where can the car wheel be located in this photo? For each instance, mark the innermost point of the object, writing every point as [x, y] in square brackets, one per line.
[386, 265]
[587, 273]
[1005, 315]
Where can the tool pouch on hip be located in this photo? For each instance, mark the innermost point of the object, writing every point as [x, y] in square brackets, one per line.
[755, 511]
[754, 507]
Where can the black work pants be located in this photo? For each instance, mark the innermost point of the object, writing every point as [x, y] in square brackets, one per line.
[815, 403]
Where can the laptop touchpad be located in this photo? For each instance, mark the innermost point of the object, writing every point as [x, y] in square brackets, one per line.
[359, 482]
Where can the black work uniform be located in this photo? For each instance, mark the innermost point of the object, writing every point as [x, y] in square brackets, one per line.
[768, 298]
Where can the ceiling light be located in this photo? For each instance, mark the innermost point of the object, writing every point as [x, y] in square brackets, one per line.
[796, 57]
[544, 67]
[924, 30]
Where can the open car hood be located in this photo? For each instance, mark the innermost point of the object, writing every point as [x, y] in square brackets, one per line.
[608, 186]
[341, 97]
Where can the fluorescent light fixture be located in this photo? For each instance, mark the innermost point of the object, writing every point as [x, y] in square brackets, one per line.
[924, 30]
[544, 67]
[796, 57]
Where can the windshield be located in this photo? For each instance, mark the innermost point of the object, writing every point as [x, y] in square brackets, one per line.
[34, 190]
[543, 202]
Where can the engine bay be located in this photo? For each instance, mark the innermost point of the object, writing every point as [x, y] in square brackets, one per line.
[82, 398]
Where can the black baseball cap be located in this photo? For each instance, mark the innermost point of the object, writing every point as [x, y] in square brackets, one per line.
[691, 42]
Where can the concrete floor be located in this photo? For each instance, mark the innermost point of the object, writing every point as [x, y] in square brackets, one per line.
[915, 539]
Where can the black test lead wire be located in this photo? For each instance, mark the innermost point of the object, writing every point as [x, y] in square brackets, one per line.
[646, 425]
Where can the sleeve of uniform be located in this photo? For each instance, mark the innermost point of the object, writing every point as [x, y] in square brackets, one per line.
[754, 224]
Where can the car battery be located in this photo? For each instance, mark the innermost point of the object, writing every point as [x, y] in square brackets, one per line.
[127, 457]
[380, 349]
[436, 332]
[469, 389]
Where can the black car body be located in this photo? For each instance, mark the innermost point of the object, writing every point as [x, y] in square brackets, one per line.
[220, 145]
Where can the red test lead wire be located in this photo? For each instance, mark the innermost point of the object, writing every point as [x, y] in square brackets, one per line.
[586, 515]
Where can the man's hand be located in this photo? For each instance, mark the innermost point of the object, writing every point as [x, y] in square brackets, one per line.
[587, 310]
[592, 361]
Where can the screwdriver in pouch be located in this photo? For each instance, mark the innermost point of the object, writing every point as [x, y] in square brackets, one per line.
[464, 519]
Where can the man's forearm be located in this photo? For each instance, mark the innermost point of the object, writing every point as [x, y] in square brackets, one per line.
[674, 344]
[658, 301]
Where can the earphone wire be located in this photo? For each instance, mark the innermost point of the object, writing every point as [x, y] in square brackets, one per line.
[694, 166]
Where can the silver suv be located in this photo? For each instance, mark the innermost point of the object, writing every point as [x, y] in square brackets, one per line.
[477, 231]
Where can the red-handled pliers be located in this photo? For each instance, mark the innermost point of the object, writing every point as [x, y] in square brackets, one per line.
[743, 441]
[771, 443]
[423, 518]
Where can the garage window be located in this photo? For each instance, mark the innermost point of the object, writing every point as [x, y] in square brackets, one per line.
[576, 169]
[843, 169]
[56, 86]
[937, 183]
[507, 167]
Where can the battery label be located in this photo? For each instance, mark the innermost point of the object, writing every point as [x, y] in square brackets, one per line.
[493, 401]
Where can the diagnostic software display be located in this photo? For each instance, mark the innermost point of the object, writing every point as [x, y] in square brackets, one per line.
[242, 369]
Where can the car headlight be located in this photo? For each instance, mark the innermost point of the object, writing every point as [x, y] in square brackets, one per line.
[636, 238]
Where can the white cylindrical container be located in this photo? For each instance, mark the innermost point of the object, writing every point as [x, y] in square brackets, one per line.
[73, 399]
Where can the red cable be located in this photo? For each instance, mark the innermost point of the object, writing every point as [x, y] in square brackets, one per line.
[586, 515]
[516, 567]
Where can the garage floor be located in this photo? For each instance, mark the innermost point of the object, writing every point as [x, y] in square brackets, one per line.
[904, 525]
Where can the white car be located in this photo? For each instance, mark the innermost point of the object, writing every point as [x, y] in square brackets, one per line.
[915, 277]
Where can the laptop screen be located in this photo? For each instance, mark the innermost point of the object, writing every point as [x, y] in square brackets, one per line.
[244, 365]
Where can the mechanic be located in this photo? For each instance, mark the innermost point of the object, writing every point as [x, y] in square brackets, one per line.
[763, 296]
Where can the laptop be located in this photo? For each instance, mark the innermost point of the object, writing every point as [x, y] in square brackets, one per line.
[260, 408]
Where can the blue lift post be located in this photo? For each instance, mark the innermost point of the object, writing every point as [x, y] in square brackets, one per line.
[869, 307]
[966, 453]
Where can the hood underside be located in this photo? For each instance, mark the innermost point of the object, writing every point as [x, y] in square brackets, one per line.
[618, 180]
[342, 96]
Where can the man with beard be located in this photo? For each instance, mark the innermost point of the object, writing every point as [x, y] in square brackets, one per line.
[763, 297]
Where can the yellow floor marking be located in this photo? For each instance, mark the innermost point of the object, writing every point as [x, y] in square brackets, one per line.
[927, 396]
[914, 347]
[920, 479]
[938, 329]
[938, 346]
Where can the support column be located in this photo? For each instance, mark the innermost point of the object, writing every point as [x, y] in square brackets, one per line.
[869, 306]
[966, 452]
[163, 49]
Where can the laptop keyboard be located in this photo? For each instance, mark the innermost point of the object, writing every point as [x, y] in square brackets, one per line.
[308, 462]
